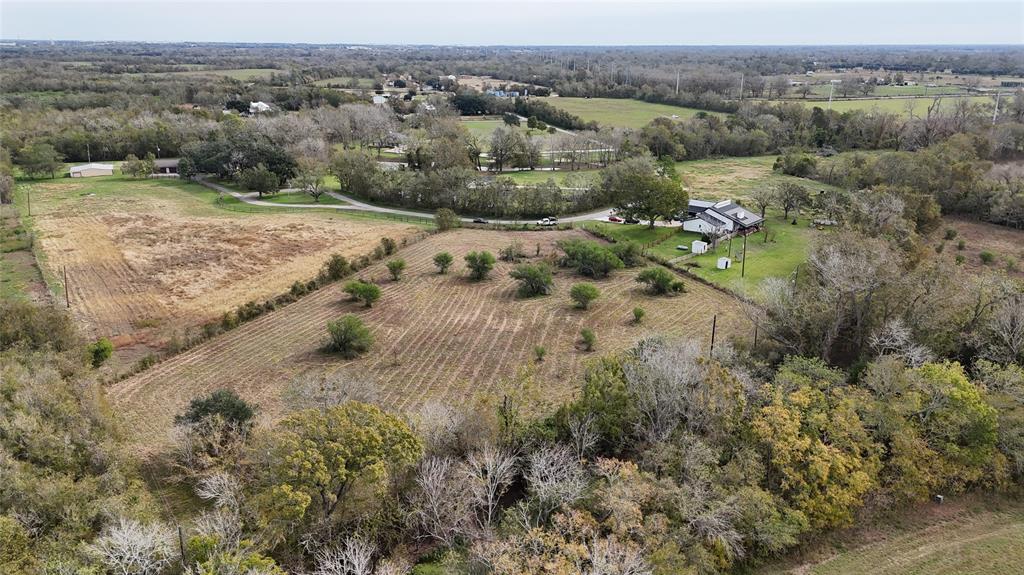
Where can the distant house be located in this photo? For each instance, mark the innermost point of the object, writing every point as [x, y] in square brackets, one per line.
[165, 167]
[258, 107]
[90, 170]
[723, 218]
[380, 100]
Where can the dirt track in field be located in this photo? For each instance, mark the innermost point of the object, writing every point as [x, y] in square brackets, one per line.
[437, 336]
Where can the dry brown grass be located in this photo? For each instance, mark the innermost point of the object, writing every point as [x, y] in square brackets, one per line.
[153, 260]
[437, 336]
[1006, 244]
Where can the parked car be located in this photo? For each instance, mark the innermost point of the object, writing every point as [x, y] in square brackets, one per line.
[632, 221]
[480, 221]
[548, 222]
[615, 219]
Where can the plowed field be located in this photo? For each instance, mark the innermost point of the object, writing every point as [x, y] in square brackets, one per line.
[437, 336]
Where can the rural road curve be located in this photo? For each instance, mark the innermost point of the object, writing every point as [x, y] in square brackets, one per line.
[356, 205]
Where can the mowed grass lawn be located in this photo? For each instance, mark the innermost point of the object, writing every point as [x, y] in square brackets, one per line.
[785, 250]
[483, 129]
[970, 537]
[623, 113]
[918, 106]
[345, 82]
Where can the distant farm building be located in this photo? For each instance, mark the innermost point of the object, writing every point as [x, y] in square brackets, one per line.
[380, 100]
[165, 167]
[721, 218]
[90, 170]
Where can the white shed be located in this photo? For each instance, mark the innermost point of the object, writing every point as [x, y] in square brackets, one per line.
[698, 247]
[724, 263]
[90, 170]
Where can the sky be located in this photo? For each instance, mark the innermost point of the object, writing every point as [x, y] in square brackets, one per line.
[521, 22]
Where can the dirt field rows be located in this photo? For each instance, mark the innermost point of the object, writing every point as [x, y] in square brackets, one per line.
[439, 337]
[147, 258]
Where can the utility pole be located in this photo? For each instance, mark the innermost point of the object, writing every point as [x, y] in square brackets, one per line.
[743, 264]
[996, 111]
[714, 325]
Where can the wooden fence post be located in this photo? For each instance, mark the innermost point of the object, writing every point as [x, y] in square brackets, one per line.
[714, 325]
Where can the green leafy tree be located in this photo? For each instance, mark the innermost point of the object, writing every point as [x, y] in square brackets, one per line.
[309, 177]
[480, 264]
[583, 294]
[134, 167]
[588, 339]
[259, 179]
[629, 252]
[39, 159]
[222, 403]
[638, 314]
[357, 171]
[534, 279]
[187, 169]
[365, 292]
[318, 457]
[100, 351]
[639, 188]
[589, 258]
[445, 219]
[336, 267]
[659, 280]
[396, 267]
[348, 336]
[443, 261]
[791, 196]
[820, 455]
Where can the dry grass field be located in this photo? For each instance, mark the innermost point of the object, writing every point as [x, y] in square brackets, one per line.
[965, 536]
[1004, 243]
[148, 258]
[437, 336]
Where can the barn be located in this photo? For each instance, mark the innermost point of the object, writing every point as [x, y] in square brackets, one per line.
[90, 170]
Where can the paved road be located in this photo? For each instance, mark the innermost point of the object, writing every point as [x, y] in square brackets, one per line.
[353, 204]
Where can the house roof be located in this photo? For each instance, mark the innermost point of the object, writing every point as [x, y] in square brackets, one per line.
[166, 162]
[723, 211]
[92, 166]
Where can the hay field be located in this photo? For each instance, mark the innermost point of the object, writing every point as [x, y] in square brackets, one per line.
[148, 258]
[624, 113]
[437, 336]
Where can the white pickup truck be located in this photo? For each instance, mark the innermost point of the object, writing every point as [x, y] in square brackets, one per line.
[548, 222]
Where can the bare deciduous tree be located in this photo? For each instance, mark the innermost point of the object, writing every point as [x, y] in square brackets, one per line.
[442, 504]
[132, 548]
[896, 339]
[489, 472]
[660, 379]
[353, 557]
[555, 478]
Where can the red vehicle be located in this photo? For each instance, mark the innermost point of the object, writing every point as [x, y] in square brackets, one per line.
[615, 219]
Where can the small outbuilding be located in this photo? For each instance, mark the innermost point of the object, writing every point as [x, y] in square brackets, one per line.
[698, 247]
[724, 263]
[166, 166]
[90, 170]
